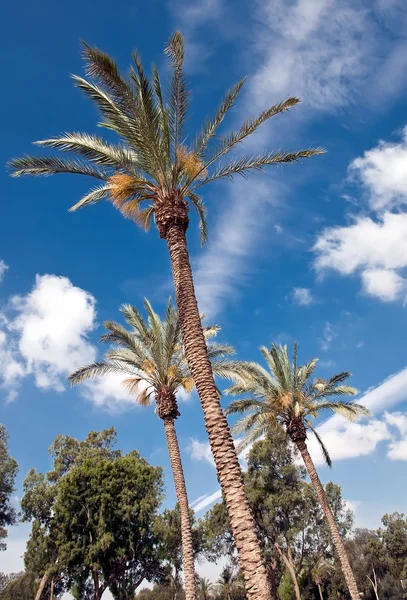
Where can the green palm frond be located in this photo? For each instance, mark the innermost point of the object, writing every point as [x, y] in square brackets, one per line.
[218, 351]
[179, 94]
[244, 405]
[95, 195]
[258, 431]
[96, 369]
[163, 115]
[211, 126]
[102, 67]
[51, 165]
[199, 206]
[95, 149]
[349, 410]
[324, 449]
[241, 166]
[304, 372]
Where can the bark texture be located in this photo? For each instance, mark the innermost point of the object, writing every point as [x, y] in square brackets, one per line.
[42, 585]
[182, 497]
[336, 537]
[288, 563]
[221, 442]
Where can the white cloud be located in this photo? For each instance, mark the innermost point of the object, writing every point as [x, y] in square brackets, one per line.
[382, 171]
[302, 296]
[52, 325]
[3, 269]
[200, 451]
[398, 448]
[385, 284]
[206, 501]
[375, 249]
[223, 267]
[328, 336]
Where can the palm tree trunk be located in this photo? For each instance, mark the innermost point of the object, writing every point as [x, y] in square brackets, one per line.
[182, 497]
[336, 537]
[42, 585]
[288, 563]
[320, 591]
[51, 597]
[220, 439]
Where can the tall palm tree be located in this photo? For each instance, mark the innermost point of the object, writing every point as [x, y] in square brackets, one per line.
[152, 172]
[285, 395]
[151, 358]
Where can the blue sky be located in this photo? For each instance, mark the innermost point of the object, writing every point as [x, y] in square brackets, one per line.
[315, 252]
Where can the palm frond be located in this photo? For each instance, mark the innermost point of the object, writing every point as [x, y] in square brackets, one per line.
[96, 369]
[324, 449]
[199, 206]
[95, 149]
[241, 166]
[102, 67]
[163, 116]
[211, 126]
[51, 165]
[179, 94]
[244, 405]
[218, 351]
[350, 410]
[94, 196]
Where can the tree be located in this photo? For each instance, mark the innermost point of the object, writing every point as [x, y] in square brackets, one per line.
[151, 357]
[93, 517]
[19, 586]
[205, 588]
[8, 472]
[284, 395]
[228, 585]
[152, 173]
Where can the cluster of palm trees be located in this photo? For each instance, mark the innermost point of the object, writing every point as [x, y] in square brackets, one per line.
[152, 174]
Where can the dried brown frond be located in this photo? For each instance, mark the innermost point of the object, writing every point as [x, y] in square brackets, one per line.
[190, 163]
[286, 400]
[188, 384]
[148, 367]
[122, 188]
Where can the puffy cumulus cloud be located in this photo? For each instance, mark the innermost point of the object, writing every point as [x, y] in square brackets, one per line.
[348, 440]
[377, 249]
[382, 171]
[52, 325]
[200, 451]
[398, 448]
[108, 392]
[3, 269]
[302, 296]
[383, 283]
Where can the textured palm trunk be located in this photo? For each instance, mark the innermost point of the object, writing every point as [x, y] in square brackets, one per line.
[220, 438]
[182, 497]
[42, 585]
[336, 537]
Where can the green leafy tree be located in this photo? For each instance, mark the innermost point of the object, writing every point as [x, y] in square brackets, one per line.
[8, 472]
[229, 586]
[284, 395]
[150, 173]
[150, 356]
[19, 586]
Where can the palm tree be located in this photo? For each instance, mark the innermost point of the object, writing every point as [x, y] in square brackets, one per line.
[150, 173]
[151, 358]
[228, 583]
[284, 395]
[205, 588]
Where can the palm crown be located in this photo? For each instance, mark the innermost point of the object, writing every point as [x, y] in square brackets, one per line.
[284, 394]
[152, 161]
[151, 356]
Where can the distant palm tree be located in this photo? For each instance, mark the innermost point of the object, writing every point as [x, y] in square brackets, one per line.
[152, 172]
[151, 358]
[228, 583]
[284, 395]
[205, 588]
